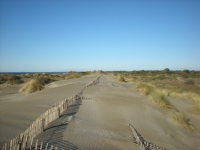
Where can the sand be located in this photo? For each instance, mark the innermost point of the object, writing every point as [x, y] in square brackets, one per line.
[100, 121]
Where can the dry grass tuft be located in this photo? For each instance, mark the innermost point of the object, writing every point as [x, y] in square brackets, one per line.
[196, 109]
[181, 119]
[32, 86]
[121, 79]
[72, 74]
[10, 79]
[145, 88]
[160, 100]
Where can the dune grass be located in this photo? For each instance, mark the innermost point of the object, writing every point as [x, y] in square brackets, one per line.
[196, 109]
[121, 79]
[32, 86]
[72, 75]
[145, 88]
[10, 79]
[158, 85]
[157, 97]
[35, 82]
[160, 100]
[181, 119]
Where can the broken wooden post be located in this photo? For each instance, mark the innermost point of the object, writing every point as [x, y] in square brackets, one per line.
[41, 145]
[36, 145]
[31, 143]
[43, 124]
[51, 147]
[46, 146]
[58, 112]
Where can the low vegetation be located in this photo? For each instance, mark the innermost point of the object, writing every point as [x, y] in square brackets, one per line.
[158, 85]
[35, 82]
[159, 99]
[189, 81]
[196, 109]
[32, 86]
[121, 79]
[181, 119]
[72, 74]
[10, 79]
[145, 88]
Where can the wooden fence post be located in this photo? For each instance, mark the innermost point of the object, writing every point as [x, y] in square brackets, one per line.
[31, 143]
[24, 141]
[11, 143]
[36, 145]
[51, 147]
[5, 146]
[41, 145]
[43, 125]
[58, 112]
[46, 146]
[18, 146]
[21, 141]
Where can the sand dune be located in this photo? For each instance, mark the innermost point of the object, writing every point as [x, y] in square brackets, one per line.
[18, 111]
[100, 121]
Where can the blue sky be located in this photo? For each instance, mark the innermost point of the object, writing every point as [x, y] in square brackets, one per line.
[79, 35]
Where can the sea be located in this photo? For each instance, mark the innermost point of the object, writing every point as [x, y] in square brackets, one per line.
[21, 73]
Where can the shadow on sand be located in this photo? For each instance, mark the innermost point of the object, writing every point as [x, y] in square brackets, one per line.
[53, 133]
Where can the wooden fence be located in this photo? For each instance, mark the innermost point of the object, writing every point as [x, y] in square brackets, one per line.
[25, 139]
[144, 145]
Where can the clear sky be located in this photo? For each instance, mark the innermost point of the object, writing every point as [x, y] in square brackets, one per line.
[79, 35]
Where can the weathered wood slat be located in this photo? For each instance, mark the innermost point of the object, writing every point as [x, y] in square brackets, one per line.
[36, 144]
[46, 146]
[51, 147]
[31, 143]
[41, 145]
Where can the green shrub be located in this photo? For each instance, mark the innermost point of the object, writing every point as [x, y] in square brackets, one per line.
[161, 77]
[186, 71]
[166, 70]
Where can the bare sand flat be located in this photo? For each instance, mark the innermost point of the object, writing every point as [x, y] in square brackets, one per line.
[100, 121]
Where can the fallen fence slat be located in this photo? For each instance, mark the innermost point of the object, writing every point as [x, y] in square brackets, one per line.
[144, 145]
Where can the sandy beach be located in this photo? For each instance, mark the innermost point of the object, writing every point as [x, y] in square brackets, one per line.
[100, 120]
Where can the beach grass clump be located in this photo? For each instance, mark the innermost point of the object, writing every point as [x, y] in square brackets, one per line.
[196, 109]
[189, 81]
[32, 86]
[73, 75]
[10, 79]
[160, 100]
[181, 119]
[145, 88]
[121, 79]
